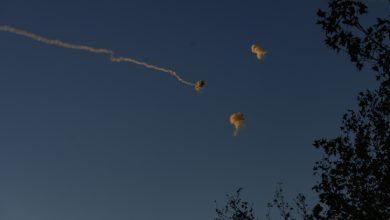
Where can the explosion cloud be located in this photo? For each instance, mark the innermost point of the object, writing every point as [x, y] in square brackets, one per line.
[237, 119]
[260, 52]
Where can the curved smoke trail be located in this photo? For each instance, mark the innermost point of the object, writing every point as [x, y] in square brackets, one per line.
[111, 53]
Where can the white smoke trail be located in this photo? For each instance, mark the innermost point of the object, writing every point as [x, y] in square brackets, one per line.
[111, 53]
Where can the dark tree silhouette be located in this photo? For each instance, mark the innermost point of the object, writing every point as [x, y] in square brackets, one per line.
[285, 209]
[238, 209]
[235, 209]
[364, 45]
[354, 173]
[355, 170]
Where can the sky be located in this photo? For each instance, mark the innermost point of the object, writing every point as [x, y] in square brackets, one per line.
[85, 138]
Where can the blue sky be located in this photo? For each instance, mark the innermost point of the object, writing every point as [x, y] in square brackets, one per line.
[84, 138]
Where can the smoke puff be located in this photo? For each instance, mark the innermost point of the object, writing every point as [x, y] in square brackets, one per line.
[237, 119]
[260, 52]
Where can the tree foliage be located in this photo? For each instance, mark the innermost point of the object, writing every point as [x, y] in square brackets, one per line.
[238, 209]
[286, 210]
[235, 209]
[364, 44]
[355, 170]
